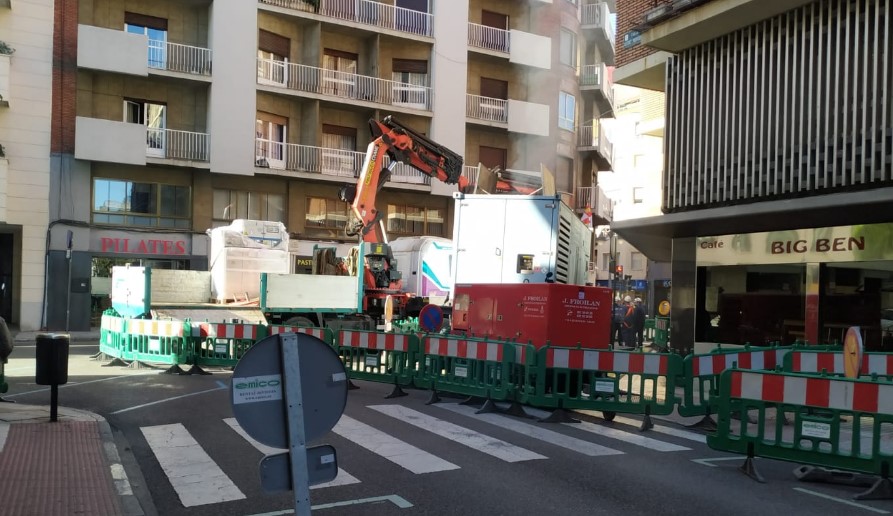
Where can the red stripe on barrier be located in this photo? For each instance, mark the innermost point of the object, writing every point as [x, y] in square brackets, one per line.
[745, 360]
[770, 359]
[605, 361]
[719, 364]
[818, 392]
[795, 363]
[736, 385]
[550, 357]
[663, 365]
[865, 397]
[462, 349]
[636, 363]
[575, 359]
[773, 388]
[825, 361]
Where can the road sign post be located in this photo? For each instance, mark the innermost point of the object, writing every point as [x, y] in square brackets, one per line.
[271, 399]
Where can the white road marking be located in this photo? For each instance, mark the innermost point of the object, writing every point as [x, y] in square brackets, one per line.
[675, 432]
[537, 432]
[400, 453]
[709, 462]
[343, 478]
[75, 384]
[477, 441]
[220, 386]
[841, 500]
[629, 437]
[399, 501]
[194, 475]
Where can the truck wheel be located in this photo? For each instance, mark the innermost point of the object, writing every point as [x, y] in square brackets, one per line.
[300, 322]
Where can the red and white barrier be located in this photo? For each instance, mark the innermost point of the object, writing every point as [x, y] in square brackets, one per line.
[155, 328]
[114, 324]
[319, 333]
[461, 348]
[814, 362]
[607, 361]
[705, 365]
[822, 392]
[371, 340]
[225, 331]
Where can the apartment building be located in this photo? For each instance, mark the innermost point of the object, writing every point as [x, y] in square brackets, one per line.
[26, 43]
[778, 172]
[174, 117]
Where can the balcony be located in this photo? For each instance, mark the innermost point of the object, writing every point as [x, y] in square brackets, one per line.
[4, 187]
[596, 17]
[487, 109]
[325, 161]
[489, 39]
[4, 79]
[595, 79]
[594, 198]
[591, 139]
[174, 57]
[170, 144]
[375, 15]
[332, 83]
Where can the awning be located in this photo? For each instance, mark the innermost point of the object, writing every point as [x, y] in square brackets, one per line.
[653, 236]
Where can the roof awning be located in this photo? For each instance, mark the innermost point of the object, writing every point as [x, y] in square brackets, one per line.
[653, 236]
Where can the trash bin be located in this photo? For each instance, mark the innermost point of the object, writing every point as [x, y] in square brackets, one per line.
[52, 359]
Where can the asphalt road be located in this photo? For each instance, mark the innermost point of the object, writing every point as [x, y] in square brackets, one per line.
[400, 456]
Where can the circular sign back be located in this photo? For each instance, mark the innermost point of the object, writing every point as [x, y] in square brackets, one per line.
[852, 352]
[664, 308]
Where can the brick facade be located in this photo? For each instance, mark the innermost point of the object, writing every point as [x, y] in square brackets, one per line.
[65, 69]
[629, 15]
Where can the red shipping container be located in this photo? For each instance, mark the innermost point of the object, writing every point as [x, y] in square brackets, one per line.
[563, 315]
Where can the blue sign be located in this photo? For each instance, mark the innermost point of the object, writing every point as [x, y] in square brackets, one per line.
[632, 38]
[638, 284]
[603, 283]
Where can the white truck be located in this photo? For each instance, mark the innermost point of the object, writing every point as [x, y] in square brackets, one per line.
[426, 264]
[519, 239]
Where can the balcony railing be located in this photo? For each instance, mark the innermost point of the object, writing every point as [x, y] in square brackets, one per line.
[175, 57]
[367, 12]
[342, 84]
[594, 197]
[489, 38]
[325, 161]
[598, 14]
[171, 144]
[470, 173]
[597, 75]
[486, 108]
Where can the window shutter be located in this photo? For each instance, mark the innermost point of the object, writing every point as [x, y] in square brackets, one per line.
[410, 65]
[271, 42]
[143, 20]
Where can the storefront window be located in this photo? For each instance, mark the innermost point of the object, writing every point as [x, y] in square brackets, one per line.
[325, 214]
[415, 220]
[232, 204]
[126, 203]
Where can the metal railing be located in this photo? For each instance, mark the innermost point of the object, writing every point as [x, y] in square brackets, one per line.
[470, 173]
[164, 55]
[367, 12]
[594, 197]
[598, 14]
[312, 79]
[490, 38]
[597, 75]
[173, 144]
[325, 161]
[486, 108]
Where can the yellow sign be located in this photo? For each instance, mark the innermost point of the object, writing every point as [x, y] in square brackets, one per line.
[664, 308]
[852, 352]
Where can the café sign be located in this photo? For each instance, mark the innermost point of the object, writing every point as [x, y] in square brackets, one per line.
[813, 245]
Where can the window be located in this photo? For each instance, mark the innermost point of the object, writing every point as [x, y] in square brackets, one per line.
[568, 48]
[325, 214]
[154, 117]
[272, 58]
[270, 134]
[637, 261]
[339, 77]
[339, 153]
[126, 203]
[415, 220]
[638, 195]
[155, 29]
[229, 205]
[411, 83]
[567, 107]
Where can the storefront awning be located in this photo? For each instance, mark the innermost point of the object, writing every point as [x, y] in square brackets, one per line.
[653, 236]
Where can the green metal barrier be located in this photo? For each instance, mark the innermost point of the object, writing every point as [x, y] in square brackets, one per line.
[838, 423]
[701, 373]
[222, 344]
[324, 334]
[111, 333]
[472, 367]
[604, 380]
[379, 357]
[648, 333]
[157, 341]
[661, 333]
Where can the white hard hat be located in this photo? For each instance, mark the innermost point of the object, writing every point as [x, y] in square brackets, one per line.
[627, 299]
[638, 300]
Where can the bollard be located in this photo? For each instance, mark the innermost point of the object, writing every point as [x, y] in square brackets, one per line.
[52, 365]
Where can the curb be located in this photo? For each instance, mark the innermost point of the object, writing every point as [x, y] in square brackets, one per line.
[130, 505]
[31, 337]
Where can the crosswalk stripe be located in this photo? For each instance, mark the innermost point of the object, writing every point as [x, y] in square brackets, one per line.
[660, 429]
[194, 475]
[343, 478]
[489, 445]
[622, 435]
[537, 432]
[400, 453]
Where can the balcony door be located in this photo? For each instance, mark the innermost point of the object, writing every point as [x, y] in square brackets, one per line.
[495, 39]
[339, 73]
[339, 152]
[155, 29]
[410, 86]
[271, 140]
[494, 97]
[272, 58]
[154, 117]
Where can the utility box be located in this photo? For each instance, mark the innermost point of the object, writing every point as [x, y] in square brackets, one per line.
[562, 315]
[51, 359]
[519, 239]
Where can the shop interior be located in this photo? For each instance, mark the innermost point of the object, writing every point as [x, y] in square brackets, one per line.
[763, 304]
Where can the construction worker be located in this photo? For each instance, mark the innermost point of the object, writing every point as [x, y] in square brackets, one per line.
[640, 317]
[628, 325]
[616, 322]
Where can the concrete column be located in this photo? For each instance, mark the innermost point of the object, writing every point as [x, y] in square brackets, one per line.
[684, 302]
